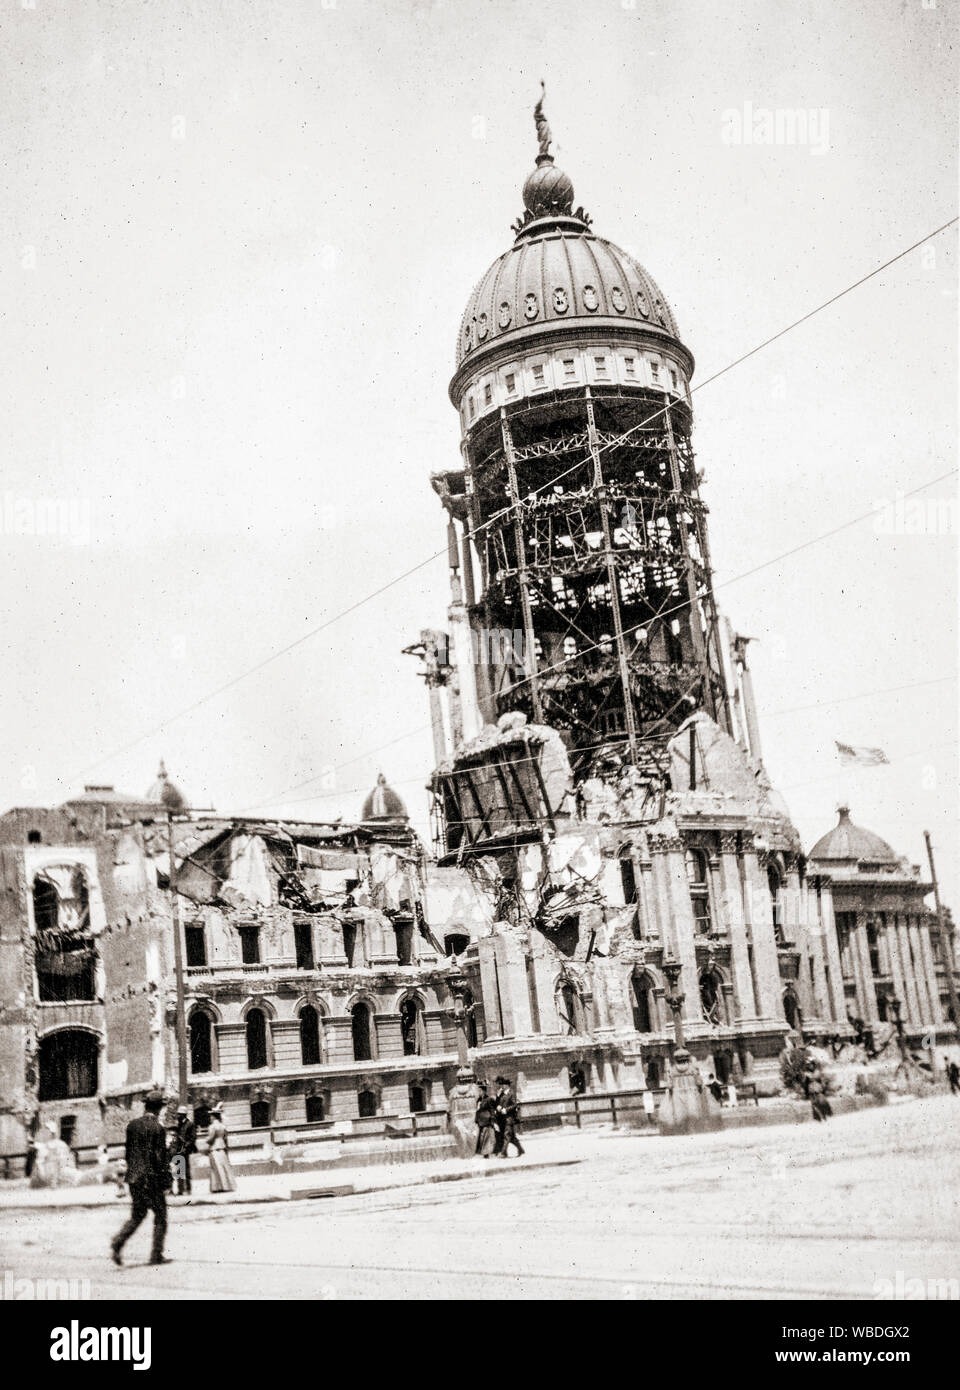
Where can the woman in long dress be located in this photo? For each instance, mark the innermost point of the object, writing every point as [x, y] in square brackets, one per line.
[486, 1133]
[221, 1174]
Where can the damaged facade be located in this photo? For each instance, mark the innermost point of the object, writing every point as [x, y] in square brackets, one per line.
[316, 992]
[610, 869]
[599, 775]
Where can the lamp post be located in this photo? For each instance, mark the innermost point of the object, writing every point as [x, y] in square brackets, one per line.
[672, 969]
[173, 802]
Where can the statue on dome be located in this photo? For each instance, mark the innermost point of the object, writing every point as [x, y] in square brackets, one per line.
[544, 134]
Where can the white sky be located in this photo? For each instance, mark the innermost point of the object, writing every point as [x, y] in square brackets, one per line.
[236, 241]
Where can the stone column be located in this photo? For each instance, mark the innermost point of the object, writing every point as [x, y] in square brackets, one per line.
[790, 896]
[813, 931]
[923, 994]
[896, 967]
[681, 911]
[930, 969]
[734, 923]
[647, 892]
[868, 991]
[831, 948]
[645, 908]
[760, 915]
[912, 1006]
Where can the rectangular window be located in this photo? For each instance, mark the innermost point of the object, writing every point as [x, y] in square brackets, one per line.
[601, 365]
[629, 366]
[249, 945]
[569, 369]
[538, 374]
[511, 382]
[655, 370]
[303, 940]
[196, 946]
[673, 379]
[488, 394]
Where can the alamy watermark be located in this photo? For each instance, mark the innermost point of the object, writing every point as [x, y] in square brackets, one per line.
[915, 516]
[61, 518]
[901, 1288]
[21, 1288]
[764, 125]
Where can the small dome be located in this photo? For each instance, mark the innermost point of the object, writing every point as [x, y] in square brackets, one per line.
[849, 841]
[165, 793]
[383, 803]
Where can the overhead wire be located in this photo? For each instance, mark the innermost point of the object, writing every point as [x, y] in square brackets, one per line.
[414, 569]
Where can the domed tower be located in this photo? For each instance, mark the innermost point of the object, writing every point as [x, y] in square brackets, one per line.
[582, 537]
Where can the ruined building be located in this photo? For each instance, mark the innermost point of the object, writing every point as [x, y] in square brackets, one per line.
[599, 773]
[611, 870]
[316, 993]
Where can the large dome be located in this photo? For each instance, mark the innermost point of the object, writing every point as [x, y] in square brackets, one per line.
[849, 841]
[555, 277]
[558, 274]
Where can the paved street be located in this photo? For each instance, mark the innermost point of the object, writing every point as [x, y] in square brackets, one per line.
[810, 1211]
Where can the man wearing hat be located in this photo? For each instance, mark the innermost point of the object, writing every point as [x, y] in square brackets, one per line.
[182, 1145]
[507, 1119]
[148, 1176]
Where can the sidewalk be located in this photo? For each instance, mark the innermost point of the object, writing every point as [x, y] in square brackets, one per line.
[543, 1151]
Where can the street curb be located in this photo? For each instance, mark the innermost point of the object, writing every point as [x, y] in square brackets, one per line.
[305, 1194]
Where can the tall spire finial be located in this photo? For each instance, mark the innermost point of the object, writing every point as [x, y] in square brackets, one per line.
[544, 134]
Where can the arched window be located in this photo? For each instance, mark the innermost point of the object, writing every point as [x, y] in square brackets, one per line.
[710, 996]
[367, 1104]
[412, 1027]
[256, 1039]
[699, 884]
[201, 1051]
[643, 1004]
[775, 886]
[362, 1033]
[316, 1110]
[259, 1114]
[418, 1097]
[309, 1036]
[571, 1009]
[455, 943]
[67, 1065]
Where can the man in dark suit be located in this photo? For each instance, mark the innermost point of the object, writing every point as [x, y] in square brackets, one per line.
[148, 1176]
[182, 1145]
[508, 1111]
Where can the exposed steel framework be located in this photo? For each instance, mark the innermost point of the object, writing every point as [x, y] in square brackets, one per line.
[606, 572]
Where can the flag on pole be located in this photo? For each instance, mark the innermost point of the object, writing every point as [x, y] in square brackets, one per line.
[863, 757]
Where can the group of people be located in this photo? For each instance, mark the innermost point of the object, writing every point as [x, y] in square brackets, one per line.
[156, 1163]
[497, 1118]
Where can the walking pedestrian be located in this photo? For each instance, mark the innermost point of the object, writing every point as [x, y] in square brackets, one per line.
[953, 1076]
[148, 1177]
[183, 1144]
[509, 1113]
[221, 1173]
